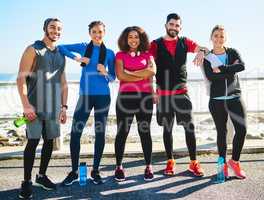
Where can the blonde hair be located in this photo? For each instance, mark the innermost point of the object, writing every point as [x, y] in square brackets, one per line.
[216, 28]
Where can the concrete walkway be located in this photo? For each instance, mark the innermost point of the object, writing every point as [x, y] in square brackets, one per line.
[181, 186]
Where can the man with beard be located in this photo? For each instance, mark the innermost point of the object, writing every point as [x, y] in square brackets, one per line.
[172, 98]
[43, 91]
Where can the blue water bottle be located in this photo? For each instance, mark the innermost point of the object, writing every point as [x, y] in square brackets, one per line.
[220, 170]
[82, 173]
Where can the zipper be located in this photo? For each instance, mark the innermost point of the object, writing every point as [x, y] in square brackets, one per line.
[226, 87]
[226, 62]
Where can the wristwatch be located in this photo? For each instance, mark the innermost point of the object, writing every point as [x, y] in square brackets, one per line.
[64, 106]
[204, 51]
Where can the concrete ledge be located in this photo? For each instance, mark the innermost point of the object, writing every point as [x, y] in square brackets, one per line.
[132, 154]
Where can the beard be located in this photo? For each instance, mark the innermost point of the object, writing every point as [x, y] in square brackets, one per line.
[172, 33]
[49, 37]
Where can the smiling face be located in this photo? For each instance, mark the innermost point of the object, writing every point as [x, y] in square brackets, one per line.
[133, 40]
[173, 27]
[218, 38]
[53, 31]
[97, 33]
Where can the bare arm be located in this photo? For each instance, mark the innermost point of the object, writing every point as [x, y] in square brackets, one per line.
[64, 89]
[64, 97]
[122, 75]
[25, 69]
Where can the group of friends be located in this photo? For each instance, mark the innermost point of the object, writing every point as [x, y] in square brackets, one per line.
[43, 91]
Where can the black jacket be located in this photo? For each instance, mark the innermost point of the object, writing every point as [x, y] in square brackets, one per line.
[171, 71]
[225, 83]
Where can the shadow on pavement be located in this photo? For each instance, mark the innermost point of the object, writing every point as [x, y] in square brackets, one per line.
[133, 188]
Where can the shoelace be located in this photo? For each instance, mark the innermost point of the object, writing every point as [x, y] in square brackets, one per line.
[119, 169]
[237, 166]
[47, 178]
[170, 164]
[148, 170]
[196, 166]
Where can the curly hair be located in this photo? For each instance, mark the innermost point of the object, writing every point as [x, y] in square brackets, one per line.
[143, 38]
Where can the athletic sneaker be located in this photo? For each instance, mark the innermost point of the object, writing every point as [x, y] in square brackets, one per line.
[195, 168]
[235, 166]
[226, 170]
[170, 168]
[45, 182]
[70, 179]
[26, 190]
[148, 175]
[119, 174]
[95, 177]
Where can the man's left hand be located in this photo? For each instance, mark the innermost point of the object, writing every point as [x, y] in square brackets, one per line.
[198, 60]
[63, 116]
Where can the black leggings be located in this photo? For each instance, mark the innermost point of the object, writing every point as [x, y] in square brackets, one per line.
[220, 109]
[179, 106]
[29, 156]
[129, 105]
[189, 138]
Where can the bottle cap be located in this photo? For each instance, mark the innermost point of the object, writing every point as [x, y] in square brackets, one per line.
[82, 163]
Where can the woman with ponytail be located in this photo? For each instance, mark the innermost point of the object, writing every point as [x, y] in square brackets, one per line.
[221, 68]
[98, 70]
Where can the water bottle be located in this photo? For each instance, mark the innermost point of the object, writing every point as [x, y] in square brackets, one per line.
[82, 173]
[21, 121]
[220, 170]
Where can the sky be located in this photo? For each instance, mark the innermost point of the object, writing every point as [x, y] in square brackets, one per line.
[21, 24]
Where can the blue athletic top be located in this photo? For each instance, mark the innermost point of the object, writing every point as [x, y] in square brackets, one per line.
[92, 82]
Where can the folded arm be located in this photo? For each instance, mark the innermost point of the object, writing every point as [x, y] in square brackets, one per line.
[211, 75]
[148, 72]
[122, 75]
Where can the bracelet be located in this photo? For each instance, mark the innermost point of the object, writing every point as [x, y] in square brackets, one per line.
[64, 106]
[204, 51]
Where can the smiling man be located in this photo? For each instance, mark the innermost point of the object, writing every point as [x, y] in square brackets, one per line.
[170, 53]
[43, 91]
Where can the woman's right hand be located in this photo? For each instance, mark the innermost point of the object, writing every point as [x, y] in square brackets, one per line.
[82, 60]
[29, 112]
[155, 98]
[216, 70]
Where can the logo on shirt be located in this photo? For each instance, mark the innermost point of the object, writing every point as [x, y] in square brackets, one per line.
[144, 62]
[49, 75]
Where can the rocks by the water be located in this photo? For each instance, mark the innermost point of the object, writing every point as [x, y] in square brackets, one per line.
[207, 121]
[12, 133]
[204, 129]
[12, 138]
[254, 137]
[210, 139]
[3, 141]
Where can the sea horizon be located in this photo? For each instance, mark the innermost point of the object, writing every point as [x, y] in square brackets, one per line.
[10, 78]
